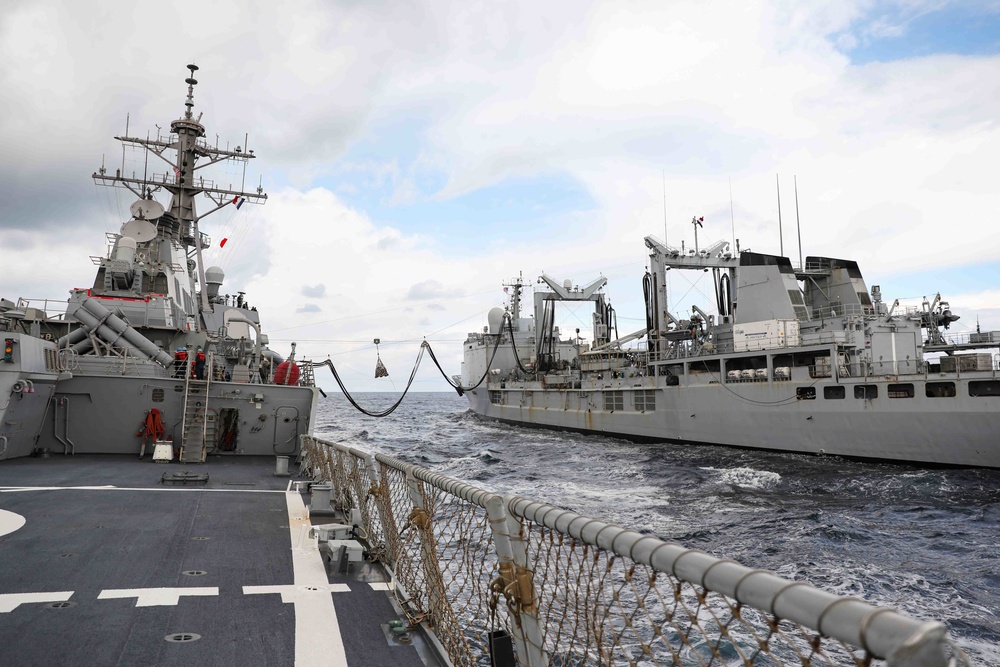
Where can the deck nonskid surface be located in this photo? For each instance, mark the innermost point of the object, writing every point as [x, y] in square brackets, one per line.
[139, 561]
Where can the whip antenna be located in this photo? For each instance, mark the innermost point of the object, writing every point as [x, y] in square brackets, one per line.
[797, 225]
[781, 236]
[664, 207]
[732, 215]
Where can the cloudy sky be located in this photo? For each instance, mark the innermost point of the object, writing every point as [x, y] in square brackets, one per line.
[417, 155]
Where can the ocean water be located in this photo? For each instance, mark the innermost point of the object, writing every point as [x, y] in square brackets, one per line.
[920, 540]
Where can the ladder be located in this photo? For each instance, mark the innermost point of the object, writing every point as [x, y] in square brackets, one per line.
[308, 377]
[197, 425]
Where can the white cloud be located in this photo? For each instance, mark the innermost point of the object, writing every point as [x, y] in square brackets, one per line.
[431, 289]
[314, 291]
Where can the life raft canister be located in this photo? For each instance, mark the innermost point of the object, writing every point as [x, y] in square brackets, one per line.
[287, 372]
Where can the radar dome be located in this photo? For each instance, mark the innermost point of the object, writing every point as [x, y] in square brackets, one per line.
[214, 276]
[125, 249]
[495, 318]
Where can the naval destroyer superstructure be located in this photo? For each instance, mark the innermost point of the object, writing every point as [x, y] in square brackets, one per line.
[147, 437]
[153, 351]
[794, 358]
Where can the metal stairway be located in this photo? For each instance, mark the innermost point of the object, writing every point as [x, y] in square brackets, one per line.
[198, 425]
[308, 377]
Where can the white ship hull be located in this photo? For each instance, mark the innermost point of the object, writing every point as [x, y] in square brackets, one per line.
[915, 429]
[801, 359]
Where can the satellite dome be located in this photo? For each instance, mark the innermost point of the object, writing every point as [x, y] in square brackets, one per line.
[214, 276]
[125, 249]
[495, 318]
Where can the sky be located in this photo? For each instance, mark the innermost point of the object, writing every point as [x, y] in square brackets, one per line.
[419, 155]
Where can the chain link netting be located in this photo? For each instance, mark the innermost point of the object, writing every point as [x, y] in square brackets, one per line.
[570, 590]
[601, 609]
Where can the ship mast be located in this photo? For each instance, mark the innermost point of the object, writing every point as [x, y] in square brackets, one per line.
[186, 140]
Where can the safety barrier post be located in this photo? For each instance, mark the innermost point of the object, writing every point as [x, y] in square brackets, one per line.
[385, 519]
[423, 522]
[513, 560]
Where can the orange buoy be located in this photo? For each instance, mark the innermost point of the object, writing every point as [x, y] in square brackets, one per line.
[287, 372]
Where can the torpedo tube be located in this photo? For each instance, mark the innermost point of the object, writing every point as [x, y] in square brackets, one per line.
[287, 373]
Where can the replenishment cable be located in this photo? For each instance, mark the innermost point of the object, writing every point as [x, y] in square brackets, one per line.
[425, 346]
[392, 408]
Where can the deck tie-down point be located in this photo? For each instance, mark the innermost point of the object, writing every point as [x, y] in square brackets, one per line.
[184, 477]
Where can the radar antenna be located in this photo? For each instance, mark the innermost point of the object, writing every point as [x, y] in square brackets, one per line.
[191, 82]
[181, 222]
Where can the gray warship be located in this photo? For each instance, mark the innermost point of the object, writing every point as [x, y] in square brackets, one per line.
[163, 501]
[793, 358]
[146, 433]
[153, 346]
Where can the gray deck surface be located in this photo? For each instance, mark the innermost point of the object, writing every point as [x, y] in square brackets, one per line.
[140, 536]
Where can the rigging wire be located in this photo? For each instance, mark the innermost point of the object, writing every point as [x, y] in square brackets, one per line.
[392, 408]
[694, 285]
[496, 346]
[380, 312]
[242, 232]
[426, 346]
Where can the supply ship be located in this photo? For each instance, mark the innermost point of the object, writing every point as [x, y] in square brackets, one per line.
[792, 358]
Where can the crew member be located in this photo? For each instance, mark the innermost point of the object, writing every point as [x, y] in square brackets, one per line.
[199, 365]
[180, 362]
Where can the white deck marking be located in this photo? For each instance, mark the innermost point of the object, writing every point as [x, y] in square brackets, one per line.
[317, 632]
[9, 522]
[290, 592]
[11, 601]
[380, 585]
[156, 597]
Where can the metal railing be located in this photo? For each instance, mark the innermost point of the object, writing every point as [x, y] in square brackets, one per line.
[985, 338]
[569, 589]
[58, 306]
[841, 310]
[883, 369]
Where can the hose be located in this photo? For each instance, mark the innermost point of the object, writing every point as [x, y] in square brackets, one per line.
[425, 346]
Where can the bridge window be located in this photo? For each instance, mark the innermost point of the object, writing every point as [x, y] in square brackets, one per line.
[614, 400]
[940, 389]
[834, 391]
[902, 390]
[984, 388]
[705, 366]
[868, 392]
